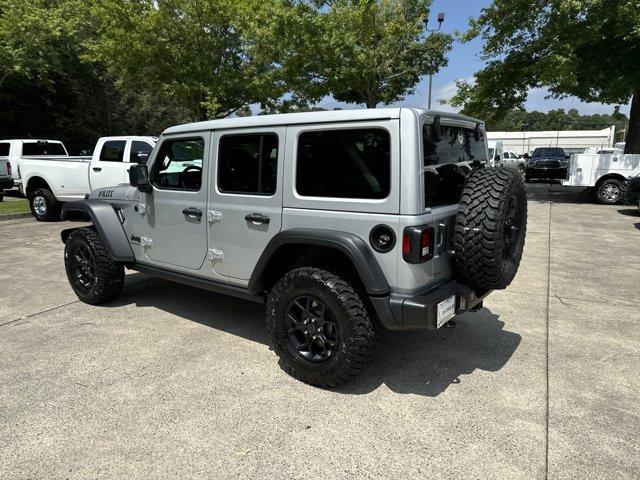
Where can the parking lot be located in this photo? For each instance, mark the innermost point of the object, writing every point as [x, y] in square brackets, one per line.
[170, 381]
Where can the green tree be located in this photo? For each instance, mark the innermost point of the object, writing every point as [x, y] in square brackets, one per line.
[371, 51]
[193, 51]
[583, 48]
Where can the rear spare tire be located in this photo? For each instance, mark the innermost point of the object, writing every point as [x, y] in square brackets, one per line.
[490, 229]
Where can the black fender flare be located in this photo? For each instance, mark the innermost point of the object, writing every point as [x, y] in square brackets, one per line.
[354, 247]
[107, 223]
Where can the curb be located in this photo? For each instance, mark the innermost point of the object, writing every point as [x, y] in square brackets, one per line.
[14, 216]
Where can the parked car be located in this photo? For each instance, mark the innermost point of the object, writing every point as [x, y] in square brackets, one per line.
[604, 174]
[333, 219]
[47, 183]
[16, 150]
[499, 157]
[6, 180]
[547, 163]
[630, 190]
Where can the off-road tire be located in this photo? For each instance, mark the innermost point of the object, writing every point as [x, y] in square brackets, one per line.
[356, 337]
[600, 192]
[52, 208]
[487, 249]
[109, 275]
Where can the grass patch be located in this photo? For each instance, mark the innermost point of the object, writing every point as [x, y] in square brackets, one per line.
[14, 206]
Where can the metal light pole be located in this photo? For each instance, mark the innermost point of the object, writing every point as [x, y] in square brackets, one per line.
[426, 27]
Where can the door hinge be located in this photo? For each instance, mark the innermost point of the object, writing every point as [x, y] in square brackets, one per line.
[215, 255]
[146, 242]
[213, 216]
[142, 208]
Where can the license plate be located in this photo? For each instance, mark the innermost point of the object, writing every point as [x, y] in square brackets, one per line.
[446, 310]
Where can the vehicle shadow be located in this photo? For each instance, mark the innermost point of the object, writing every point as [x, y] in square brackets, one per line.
[555, 193]
[629, 212]
[422, 363]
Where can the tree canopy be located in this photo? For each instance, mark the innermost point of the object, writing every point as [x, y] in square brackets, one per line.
[584, 48]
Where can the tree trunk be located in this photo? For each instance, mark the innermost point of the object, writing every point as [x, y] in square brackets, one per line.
[633, 132]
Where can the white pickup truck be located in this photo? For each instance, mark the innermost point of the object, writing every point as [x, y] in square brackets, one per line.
[15, 150]
[48, 182]
[605, 173]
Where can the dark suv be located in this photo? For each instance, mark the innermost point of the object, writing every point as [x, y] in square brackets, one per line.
[548, 163]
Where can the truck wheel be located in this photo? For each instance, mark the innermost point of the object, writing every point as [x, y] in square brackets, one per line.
[609, 191]
[490, 229]
[44, 205]
[319, 327]
[93, 275]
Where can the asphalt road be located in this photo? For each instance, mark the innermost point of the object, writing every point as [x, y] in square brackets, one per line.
[172, 382]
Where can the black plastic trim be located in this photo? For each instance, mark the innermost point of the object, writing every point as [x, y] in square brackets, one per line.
[419, 312]
[6, 184]
[198, 282]
[107, 222]
[354, 247]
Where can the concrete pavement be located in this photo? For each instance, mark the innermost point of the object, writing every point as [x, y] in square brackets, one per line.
[169, 381]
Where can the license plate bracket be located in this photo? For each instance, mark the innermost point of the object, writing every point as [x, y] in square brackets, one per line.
[446, 311]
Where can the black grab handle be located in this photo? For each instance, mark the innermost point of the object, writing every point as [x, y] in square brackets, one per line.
[257, 218]
[192, 212]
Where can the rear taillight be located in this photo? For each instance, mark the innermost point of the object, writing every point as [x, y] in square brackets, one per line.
[8, 168]
[417, 244]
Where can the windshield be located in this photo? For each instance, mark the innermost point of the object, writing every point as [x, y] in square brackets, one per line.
[443, 177]
[38, 149]
[548, 153]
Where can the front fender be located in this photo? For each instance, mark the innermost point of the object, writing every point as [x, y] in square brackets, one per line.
[107, 223]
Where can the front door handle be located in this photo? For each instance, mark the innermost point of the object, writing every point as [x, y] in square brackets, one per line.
[192, 212]
[257, 218]
[97, 169]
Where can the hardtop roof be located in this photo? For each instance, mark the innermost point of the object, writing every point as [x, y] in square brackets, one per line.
[301, 118]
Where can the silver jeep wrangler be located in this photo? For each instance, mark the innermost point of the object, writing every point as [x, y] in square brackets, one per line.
[341, 222]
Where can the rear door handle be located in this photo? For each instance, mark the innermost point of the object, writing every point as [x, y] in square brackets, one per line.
[192, 212]
[97, 169]
[257, 218]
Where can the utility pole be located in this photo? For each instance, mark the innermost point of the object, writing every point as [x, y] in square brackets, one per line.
[426, 27]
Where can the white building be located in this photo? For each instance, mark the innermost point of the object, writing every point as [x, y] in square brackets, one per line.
[573, 141]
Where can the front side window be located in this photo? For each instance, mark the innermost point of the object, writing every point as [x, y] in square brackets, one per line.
[42, 149]
[138, 148]
[350, 163]
[447, 160]
[4, 149]
[178, 165]
[248, 164]
[112, 151]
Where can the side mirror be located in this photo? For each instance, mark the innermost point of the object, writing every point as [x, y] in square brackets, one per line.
[143, 157]
[498, 158]
[139, 177]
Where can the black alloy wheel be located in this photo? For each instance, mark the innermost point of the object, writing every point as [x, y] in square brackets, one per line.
[312, 328]
[83, 267]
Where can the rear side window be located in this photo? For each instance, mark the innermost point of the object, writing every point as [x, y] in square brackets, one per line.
[112, 151]
[40, 149]
[4, 149]
[352, 163]
[178, 165]
[138, 148]
[248, 164]
[447, 162]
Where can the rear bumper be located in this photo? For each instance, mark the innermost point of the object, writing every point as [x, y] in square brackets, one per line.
[420, 312]
[6, 183]
[547, 173]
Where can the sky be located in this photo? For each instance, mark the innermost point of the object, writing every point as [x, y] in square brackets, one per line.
[464, 61]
